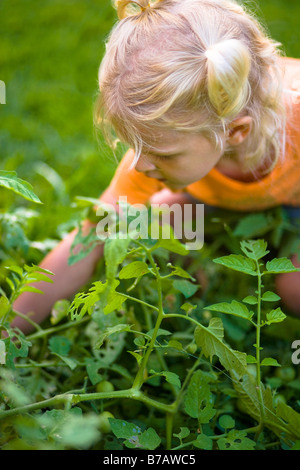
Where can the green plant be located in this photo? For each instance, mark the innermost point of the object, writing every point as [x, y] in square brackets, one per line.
[179, 370]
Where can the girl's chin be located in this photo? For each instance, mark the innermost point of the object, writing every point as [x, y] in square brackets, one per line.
[174, 185]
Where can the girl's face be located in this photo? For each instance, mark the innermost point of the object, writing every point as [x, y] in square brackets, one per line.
[178, 159]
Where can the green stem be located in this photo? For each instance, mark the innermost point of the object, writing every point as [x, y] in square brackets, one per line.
[148, 320]
[184, 317]
[49, 331]
[140, 302]
[169, 429]
[139, 379]
[74, 398]
[257, 346]
[29, 320]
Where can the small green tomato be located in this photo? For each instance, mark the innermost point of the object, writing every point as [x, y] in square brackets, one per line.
[286, 374]
[104, 425]
[105, 386]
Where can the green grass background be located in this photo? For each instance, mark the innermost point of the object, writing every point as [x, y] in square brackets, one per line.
[50, 52]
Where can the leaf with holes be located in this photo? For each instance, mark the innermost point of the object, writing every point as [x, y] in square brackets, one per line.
[236, 440]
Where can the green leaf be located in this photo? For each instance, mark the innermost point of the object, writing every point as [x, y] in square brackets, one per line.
[268, 361]
[82, 201]
[34, 269]
[252, 225]
[236, 440]
[269, 296]
[250, 299]
[173, 343]
[4, 306]
[84, 302]
[291, 418]
[133, 435]
[198, 399]
[188, 308]
[134, 269]
[59, 345]
[115, 251]
[70, 427]
[184, 432]
[30, 289]
[149, 440]
[249, 401]
[275, 316]
[69, 361]
[210, 339]
[234, 308]
[111, 331]
[173, 245]
[160, 332]
[9, 180]
[171, 377]
[92, 367]
[18, 347]
[238, 263]
[185, 287]
[280, 265]
[251, 359]
[137, 356]
[178, 271]
[15, 393]
[115, 301]
[203, 442]
[226, 422]
[254, 249]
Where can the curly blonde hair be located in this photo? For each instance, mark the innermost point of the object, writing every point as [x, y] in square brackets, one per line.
[192, 66]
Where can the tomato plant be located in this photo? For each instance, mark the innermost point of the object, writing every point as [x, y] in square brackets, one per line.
[146, 362]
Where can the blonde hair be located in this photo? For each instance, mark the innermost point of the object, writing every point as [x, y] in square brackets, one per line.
[192, 66]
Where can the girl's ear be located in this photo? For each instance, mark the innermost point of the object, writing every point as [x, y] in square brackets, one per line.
[238, 130]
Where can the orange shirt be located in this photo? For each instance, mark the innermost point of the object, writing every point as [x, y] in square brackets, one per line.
[280, 186]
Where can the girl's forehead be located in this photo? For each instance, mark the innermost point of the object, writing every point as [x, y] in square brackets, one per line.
[163, 138]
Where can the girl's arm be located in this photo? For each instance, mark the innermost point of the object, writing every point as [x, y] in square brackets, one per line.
[67, 280]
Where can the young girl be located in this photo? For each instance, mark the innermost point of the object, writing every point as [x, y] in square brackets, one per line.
[202, 97]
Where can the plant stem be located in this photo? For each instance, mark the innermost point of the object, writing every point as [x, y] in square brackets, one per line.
[139, 379]
[257, 346]
[29, 320]
[54, 329]
[140, 302]
[169, 429]
[74, 398]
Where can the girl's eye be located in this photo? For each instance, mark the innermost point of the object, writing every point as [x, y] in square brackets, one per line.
[163, 157]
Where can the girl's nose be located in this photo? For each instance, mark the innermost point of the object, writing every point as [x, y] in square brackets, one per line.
[144, 164]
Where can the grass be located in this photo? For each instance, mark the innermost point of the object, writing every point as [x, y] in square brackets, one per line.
[49, 59]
